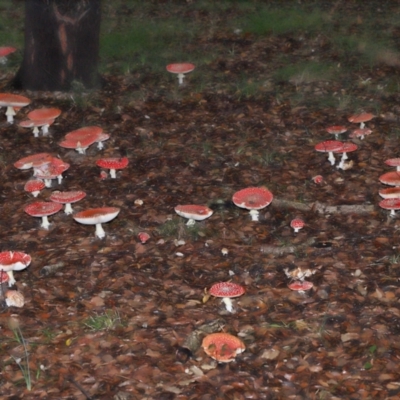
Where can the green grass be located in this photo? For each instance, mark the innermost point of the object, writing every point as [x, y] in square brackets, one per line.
[107, 321]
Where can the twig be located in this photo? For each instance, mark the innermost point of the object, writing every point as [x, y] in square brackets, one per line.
[322, 208]
[79, 387]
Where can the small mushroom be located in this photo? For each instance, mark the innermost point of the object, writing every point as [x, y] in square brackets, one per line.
[43, 209]
[336, 130]
[360, 133]
[300, 286]
[143, 237]
[361, 119]
[222, 346]
[34, 186]
[52, 170]
[393, 162]
[193, 212]
[97, 216]
[13, 261]
[390, 204]
[297, 224]
[227, 291]
[12, 102]
[181, 69]
[113, 164]
[14, 298]
[329, 146]
[253, 199]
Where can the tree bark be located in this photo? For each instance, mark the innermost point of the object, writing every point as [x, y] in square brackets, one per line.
[61, 45]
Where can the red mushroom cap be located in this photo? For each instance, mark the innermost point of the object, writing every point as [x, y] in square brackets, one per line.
[71, 196]
[82, 133]
[226, 289]
[180, 68]
[44, 114]
[31, 123]
[6, 50]
[13, 100]
[34, 186]
[34, 161]
[390, 193]
[390, 178]
[390, 204]
[360, 133]
[300, 285]
[52, 170]
[222, 347]
[393, 162]
[143, 237]
[347, 147]
[4, 278]
[193, 211]
[93, 216]
[359, 118]
[14, 260]
[297, 224]
[328, 146]
[42, 208]
[336, 129]
[252, 198]
[113, 162]
[318, 179]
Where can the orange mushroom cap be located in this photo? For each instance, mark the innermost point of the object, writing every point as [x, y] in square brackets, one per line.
[222, 347]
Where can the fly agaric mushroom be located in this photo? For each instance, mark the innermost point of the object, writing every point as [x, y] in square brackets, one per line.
[253, 199]
[393, 162]
[36, 124]
[97, 216]
[346, 148]
[317, 179]
[300, 286]
[390, 204]
[34, 186]
[336, 130]
[50, 171]
[329, 146]
[297, 224]
[222, 347]
[360, 133]
[113, 163]
[143, 237]
[34, 161]
[390, 178]
[82, 138]
[13, 261]
[390, 193]
[4, 52]
[181, 69]
[361, 119]
[14, 298]
[12, 101]
[226, 290]
[67, 198]
[43, 209]
[44, 113]
[193, 212]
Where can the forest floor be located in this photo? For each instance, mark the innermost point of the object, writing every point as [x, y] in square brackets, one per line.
[112, 318]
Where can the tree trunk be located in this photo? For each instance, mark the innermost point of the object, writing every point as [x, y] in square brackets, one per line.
[61, 44]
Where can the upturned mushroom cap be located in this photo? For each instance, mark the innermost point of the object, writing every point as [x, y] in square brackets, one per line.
[222, 347]
[43, 209]
[193, 211]
[97, 216]
[390, 178]
[67, 198]
[34, 186]
[34, 161]
[14, 298]
[300, 285]
[390, 204]
[113, 163]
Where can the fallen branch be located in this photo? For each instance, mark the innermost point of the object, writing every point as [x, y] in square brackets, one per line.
[324, 208]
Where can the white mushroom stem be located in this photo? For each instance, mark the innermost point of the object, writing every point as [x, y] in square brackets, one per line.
[11, 279]
[342, 160]
[190, 222]
[331, 158]
[100, 145]
[47, 183]
[45, 222]
[100, 231]
[113, 173]
[35, 131]
[228, 304]
[254, 215]
[180, 78]
[45, 130]
[392, 213]
[10, 114]
[59, 179]
[80, 149]
[68, 208]
[362, 126]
